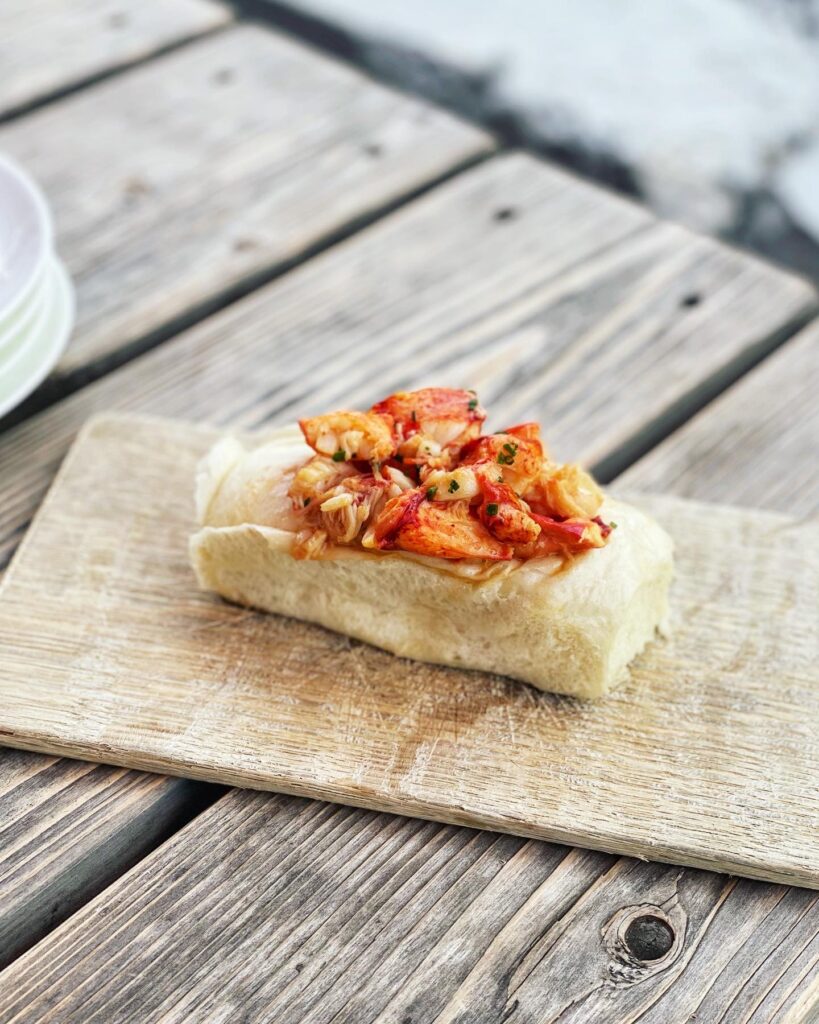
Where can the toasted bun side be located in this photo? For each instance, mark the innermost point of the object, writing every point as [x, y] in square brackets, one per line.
[572, 632]
[211, 472]
[235, 486]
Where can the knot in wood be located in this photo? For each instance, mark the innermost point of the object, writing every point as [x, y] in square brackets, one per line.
[643, 940]
[649, 937]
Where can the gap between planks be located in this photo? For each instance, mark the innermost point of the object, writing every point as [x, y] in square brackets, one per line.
[120, 47]
[55, 390]
[696, 401]
[61, 843]
[82, 84]
[306, 912]
[292, 215]
[313, 30]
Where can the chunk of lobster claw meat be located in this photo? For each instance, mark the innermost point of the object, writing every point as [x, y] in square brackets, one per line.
[432, 425]
[346, 435]
[515, 458]
[411, 522]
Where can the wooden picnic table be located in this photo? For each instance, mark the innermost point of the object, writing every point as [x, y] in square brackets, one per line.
[257, 231]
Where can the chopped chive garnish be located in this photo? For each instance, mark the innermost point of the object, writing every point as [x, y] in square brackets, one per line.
[491, 509]
[473, 404]
[454, 486]
[507, 456]
[339, 456]
[431, 492]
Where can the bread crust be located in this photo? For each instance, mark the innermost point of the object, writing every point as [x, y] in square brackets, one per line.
[570, 628]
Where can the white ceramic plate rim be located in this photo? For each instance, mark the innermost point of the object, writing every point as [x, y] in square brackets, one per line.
[46, 233]
[11, 327]
[54, 335]
[29, 334]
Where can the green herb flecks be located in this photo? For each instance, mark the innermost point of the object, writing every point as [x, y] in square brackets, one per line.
[454, 486]
[431, 492]
[507, 456]
[339, 456]
[492, 509]
[473, 404]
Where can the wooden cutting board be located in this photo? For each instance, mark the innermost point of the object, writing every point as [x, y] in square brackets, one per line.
[708, 757]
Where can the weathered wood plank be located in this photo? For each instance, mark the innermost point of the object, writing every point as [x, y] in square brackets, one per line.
[67, 829]
[210, 167]
[412, 291]
[360, 873]
[721, 719]
[295, 911]
[756, 445]
[48, 46]
[547, 306]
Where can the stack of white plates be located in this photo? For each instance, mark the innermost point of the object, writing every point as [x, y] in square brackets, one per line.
[36, 297]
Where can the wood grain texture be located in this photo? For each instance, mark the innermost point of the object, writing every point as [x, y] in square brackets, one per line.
[756, 445]
[67, 830]
[113, 655]
[577, 289]
[210, 167]
[47, 46]
[305, 912]
[420, 282]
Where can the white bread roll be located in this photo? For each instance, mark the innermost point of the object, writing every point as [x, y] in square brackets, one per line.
[569, 628]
